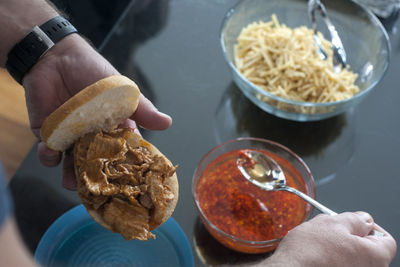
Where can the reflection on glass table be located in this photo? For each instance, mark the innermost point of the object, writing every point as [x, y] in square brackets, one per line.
[326, 146]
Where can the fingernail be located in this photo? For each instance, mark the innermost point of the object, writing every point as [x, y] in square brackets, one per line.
[365, 216]
[164, 114]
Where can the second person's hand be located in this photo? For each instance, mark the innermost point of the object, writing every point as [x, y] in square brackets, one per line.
[336, 241]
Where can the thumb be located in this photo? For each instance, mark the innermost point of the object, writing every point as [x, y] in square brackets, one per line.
[147, 116]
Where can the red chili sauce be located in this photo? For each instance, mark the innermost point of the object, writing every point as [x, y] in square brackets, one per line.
[245, 211]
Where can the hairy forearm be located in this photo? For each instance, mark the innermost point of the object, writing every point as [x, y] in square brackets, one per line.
[17, 18]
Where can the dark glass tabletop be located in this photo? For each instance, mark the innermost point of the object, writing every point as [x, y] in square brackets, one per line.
[171, 49]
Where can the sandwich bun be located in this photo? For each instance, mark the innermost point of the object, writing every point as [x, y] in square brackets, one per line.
[103, 105]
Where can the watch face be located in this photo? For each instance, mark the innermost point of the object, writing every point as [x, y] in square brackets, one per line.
[26, 53]
[41, 38]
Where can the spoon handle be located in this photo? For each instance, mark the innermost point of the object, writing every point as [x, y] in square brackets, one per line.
[310, 200]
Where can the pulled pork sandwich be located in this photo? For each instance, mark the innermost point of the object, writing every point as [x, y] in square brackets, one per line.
[126, 184]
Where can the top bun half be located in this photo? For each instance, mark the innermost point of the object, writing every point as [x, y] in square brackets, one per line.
[102, 105]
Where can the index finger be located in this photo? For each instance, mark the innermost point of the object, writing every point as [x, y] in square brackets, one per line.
[47, 156]
[382, 233]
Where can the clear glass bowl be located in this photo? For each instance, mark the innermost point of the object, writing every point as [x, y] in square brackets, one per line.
[364, 38]
[228, 240]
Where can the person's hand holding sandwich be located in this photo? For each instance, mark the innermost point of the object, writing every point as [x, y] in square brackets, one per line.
[116, 195]
[60, 74]
[80, 105]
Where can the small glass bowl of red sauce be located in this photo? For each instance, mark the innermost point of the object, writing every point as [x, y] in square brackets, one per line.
[240, 215]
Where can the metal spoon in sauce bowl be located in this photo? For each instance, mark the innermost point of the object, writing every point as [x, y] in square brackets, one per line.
[264, 172]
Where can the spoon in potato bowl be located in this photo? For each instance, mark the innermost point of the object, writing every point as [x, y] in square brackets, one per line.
[266, 173]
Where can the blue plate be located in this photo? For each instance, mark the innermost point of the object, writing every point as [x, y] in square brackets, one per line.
[75, 239]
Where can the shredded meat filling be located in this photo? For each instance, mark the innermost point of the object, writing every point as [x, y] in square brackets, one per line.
[121, 180]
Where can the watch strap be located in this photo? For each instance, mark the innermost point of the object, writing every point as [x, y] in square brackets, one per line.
[57, 28]
[35, 44]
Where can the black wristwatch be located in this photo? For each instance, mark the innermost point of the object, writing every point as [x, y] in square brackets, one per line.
[35, 44]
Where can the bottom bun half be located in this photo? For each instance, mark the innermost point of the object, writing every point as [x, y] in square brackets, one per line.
[126, 184]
